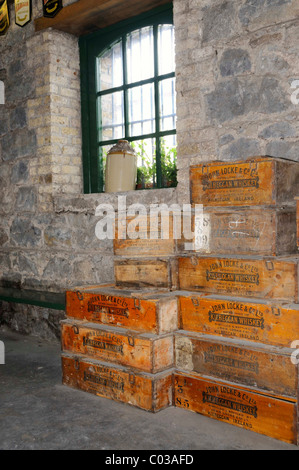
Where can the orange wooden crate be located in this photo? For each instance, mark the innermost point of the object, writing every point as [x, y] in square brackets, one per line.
[144, 351]
[268, 278]
[256, 181]
[266, 367]
[244, 407]
[145, 311]
[262, 321]
[146, 272]
[151, 392]
[254, 230]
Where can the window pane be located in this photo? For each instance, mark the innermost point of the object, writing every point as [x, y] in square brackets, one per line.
[140, 55]
[110, 68]
[141, 110]
[168, 160]
[166, 49]
[146, 174]
[103, 151]
[167, 104]
[111, 116]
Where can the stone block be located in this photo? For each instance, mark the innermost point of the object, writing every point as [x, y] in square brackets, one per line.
[17, 144]
[234, 62]
[26, 199]
[24, 232]
[218, 21]
[20, 172]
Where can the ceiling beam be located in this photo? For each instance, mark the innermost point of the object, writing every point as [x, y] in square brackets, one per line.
[86, 16]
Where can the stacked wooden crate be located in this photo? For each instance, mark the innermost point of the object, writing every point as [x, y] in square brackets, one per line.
[146, 250]
[239, 311]
[118, 344]
[204, 324]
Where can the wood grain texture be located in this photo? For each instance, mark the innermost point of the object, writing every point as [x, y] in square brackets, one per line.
[240, 406]
[144, 311]
[266, 367]
[267, 278]
[144, 236]
[255, 230]
[151, 392]
[146, 272]
[146, 352]
[86, 16]
[268, 322]
[257, 181]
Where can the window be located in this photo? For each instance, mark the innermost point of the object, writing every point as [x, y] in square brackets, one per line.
[128, 92]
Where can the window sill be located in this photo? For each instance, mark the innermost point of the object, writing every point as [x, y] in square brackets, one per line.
[87, 203]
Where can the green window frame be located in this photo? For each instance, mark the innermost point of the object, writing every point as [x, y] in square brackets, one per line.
[91, 47]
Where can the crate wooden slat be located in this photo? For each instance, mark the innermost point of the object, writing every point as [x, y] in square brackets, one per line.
[143, 351]
[146, 272]
[241, 406]
[145, 235]
[151, 392]
[144, 311]
[268, 322]
[256, 181]
[266, 278]
[267, 367]
[255, 230]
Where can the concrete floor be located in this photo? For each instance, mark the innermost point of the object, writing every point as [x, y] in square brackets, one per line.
[37, 412]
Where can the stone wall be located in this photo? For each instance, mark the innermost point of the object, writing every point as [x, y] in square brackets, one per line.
[236, 63]
[47, 226]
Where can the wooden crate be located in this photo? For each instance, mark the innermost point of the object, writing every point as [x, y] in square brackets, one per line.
[255, 230]
[256, 181]
[269, 278]
[143, 351]
[145, 236]
[144, 311]
[267, 367]
[151, 392]
[146, 272]
[262, 321]
[244, 407]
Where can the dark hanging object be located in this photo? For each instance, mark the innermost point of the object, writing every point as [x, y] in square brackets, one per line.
[22, 12]
[51, 8]
[4, 17]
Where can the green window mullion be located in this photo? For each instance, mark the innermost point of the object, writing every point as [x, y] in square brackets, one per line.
[93, 140]
[157, 106]
[125, 90]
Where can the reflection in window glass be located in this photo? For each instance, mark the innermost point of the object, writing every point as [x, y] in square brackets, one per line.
[111, 116]
[103, 151]
[140, 55]
[141, 110]
[166, 57]
[167, 104]
[110, 68]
